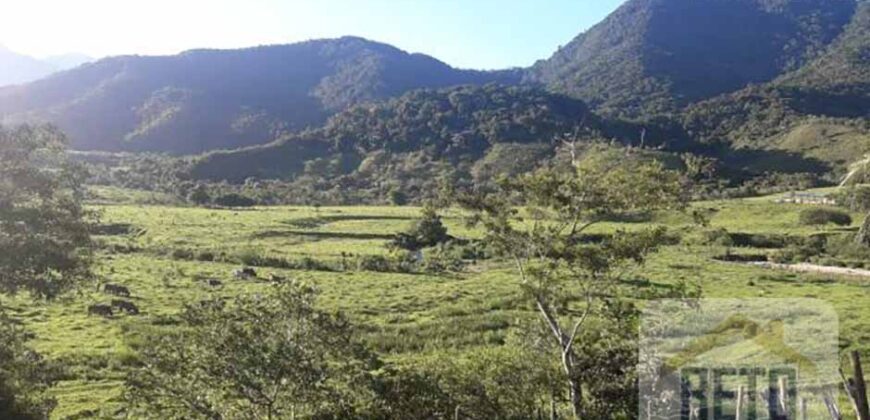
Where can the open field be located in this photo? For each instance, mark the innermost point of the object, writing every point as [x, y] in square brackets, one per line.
[161, 253]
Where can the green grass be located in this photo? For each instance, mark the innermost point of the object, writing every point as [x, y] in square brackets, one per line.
[405, 317]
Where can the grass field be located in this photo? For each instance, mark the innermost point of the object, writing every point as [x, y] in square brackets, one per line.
[405, 317]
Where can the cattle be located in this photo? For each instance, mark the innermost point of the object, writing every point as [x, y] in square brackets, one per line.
[276, 278]
[114, 289]
[126, 306]
[245, 273]
[214, 282]
[101, 310]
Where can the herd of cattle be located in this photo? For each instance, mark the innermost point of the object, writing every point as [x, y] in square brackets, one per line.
[130, 308]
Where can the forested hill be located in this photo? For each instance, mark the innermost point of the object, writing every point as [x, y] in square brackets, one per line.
[209, 99]
[456, 127]
[656, 56]
[821, 110]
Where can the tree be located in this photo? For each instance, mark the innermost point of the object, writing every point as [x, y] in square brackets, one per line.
[24, 376]
[569, 280]
[427, 231]
[44, 243]
[199, 195]
[397, 197]
[258, 357]
[44, 229]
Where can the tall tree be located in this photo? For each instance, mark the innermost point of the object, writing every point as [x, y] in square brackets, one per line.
[44, 242]
[538, 221]
[44, 229]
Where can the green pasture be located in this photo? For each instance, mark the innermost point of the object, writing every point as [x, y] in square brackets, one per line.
[405, 317]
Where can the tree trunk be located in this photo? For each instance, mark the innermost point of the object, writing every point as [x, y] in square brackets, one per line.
[576, 398]
[859, 389]
[863, 237]
[566, 344]
[575, 390]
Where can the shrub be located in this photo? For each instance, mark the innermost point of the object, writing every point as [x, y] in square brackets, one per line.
[855, 198]
[822, 216]
[717, 237]
[426, 232]
[801, 251]
[235, 200]
[377, 263]
[205, 256]
[182, 254]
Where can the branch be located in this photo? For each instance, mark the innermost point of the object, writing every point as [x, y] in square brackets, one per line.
[577, 325]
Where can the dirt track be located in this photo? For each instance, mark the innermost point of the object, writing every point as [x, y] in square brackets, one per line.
[813, 268]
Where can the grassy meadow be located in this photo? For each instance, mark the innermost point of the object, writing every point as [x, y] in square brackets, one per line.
[405, 317]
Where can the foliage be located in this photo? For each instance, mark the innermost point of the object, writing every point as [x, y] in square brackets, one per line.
[234, 200]
[571, 282]
[417, 129]
[822, 216]
[257, 357]
[44, 250]
[199, 195]
[25, 376]
[854, 198]
[44, 230]
[426, 232]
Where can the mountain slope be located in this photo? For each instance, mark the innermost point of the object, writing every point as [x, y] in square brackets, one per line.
[16, 68]
[207, 99]
[821, 110]
[656, 56]
[454, 126]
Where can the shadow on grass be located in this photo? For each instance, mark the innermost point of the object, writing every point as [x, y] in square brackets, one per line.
[647, 284]
[314, 222]
[322, 235]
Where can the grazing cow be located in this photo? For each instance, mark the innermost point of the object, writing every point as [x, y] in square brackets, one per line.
[126, 306]
[214, 283]
[245, 273]
[114, 289]
[276, 278]
[101, 310]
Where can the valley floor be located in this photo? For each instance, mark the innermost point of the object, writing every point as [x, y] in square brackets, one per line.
[161, 254]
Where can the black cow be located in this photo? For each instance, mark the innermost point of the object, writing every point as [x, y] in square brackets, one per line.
[114, 289]
[101, 310]
[126, 306]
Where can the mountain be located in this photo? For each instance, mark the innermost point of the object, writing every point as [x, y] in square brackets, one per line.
[67, 61]
[16, 68]
[821, 110]
[657, 56]
[408, 137]
[211, 99]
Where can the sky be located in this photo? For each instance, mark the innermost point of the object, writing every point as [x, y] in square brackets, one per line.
[483, 34]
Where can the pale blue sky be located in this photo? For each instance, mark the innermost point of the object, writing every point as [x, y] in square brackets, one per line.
[464, 33]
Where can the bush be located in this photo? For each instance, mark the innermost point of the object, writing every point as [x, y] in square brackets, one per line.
[855, 198]
[182, 254]
[822, 216]
[235, 200]
[377, 263]
[426, 232]
[801, 251]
